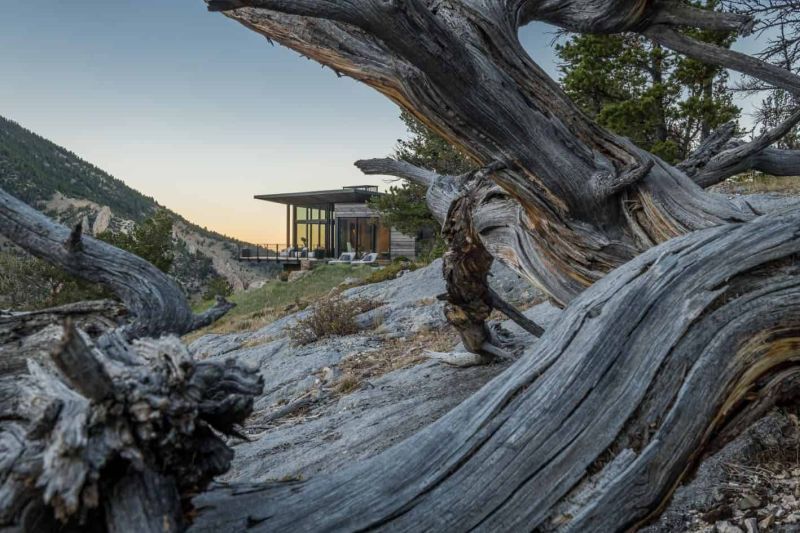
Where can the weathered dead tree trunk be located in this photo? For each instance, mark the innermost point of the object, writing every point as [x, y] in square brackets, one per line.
[155, 302]
[674, 348]
[572, 201]
[592, 429]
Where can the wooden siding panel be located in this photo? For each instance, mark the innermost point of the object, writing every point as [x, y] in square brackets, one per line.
[403, 245]
[353, 211]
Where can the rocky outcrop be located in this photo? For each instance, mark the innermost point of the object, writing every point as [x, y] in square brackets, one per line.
[96, 219]
[305, 424]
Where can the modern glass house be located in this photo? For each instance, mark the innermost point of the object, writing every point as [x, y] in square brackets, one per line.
[329, 223]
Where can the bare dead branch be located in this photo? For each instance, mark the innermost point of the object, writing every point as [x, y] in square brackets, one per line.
[709, 148]
[515, 314]
[742, 157]
[676, 13]
[340, 11]
[155, 302]
[393, 167]
[717, 55]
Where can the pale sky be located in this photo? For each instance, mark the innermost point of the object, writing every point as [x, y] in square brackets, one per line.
[192, 108]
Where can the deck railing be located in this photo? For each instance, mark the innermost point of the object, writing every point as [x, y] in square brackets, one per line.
[279, 253]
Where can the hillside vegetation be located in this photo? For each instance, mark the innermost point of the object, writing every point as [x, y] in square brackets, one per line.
[257, 307]
[34, 169]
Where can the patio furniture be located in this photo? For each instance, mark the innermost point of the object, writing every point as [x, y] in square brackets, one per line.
[345, 258]
[368, 259]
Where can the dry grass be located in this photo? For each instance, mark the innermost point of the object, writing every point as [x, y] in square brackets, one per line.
[332, 316]
[751, 183]
[276, 299]
[393, 355]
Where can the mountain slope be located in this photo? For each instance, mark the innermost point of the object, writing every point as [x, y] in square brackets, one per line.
[69, 189]
[34, 169]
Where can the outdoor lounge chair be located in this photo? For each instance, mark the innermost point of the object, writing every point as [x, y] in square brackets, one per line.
[367, 259]
[346, 257]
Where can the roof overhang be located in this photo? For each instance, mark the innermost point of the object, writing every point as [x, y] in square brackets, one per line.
[319, 199]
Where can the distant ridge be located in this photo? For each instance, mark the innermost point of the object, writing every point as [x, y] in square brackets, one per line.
[33, 169]
[70, 189]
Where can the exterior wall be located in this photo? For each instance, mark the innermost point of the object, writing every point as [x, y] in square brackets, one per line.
[353, 211]
[403, 245]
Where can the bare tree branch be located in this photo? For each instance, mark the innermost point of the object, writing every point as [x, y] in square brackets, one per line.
[393, 167]
[709, 148]
[515, 314]
[676, 13]
[717, 55]
[742, 157]
[347, 11]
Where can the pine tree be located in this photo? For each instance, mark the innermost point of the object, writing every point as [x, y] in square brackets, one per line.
[663, 102]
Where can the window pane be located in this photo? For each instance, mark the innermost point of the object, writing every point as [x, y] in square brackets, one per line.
[348, 234]
[364, 235]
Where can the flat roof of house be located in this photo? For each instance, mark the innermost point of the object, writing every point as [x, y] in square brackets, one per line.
[321, 199]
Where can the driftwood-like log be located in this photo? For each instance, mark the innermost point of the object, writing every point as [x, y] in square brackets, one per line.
[114, 439]
[155, 302]
[595, 426]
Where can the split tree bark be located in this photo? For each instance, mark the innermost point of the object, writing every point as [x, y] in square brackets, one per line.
[112, 437]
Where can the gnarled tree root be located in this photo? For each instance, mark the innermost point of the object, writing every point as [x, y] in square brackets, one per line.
[593, 427]
[113, 437]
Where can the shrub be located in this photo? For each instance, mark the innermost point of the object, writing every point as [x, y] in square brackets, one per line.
[217, 286]
[150, 240]
[390, 271]
[284, 275]
[331, 316]
[28, 283]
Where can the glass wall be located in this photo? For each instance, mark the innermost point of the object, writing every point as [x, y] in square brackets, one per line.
[312, 229]
[363, 235]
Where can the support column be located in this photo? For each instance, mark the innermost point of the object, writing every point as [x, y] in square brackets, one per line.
[294, 226]
[288, 224]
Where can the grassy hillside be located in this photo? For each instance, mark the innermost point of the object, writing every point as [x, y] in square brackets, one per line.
[257, 307]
